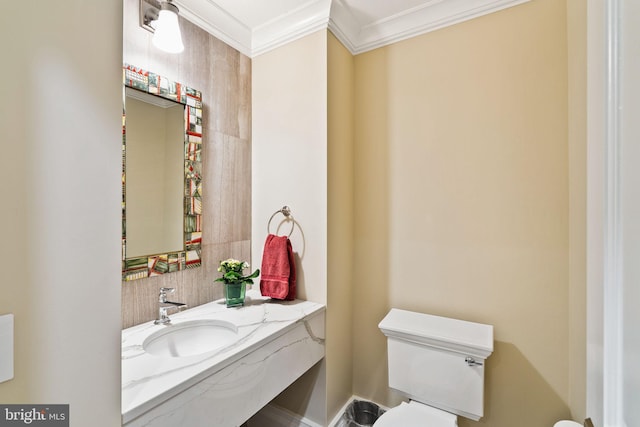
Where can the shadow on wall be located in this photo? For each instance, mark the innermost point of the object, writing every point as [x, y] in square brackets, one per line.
[299, 397]
[522, 395]
[301, 291]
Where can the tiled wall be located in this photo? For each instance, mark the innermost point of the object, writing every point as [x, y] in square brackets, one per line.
[224, 77]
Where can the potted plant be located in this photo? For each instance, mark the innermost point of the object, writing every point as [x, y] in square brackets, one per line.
[234, 283]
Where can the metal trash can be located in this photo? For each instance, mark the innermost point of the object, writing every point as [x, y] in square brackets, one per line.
[361, 413]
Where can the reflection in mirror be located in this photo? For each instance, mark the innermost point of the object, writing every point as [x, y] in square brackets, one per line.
[155, 142]
[162, 190]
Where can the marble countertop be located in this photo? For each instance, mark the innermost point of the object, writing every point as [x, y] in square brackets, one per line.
[148, 380]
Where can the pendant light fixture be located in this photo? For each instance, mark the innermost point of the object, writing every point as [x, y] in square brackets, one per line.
[163, 22]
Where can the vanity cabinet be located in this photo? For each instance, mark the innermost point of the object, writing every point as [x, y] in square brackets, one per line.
[277, 343]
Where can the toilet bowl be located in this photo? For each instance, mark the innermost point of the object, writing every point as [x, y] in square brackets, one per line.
[415, 414]
[565, 423]
[438, 363]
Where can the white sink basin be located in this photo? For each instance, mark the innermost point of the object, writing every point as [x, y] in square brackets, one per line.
[190, 338]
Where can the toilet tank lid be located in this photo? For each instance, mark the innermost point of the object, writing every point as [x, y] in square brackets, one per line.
[461, 336]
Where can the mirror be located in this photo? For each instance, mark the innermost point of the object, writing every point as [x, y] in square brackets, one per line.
[161, 175]
[154, 174]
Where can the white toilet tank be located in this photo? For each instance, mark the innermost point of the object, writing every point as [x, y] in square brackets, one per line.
[438, 361]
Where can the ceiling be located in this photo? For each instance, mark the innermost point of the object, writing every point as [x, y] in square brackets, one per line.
[257, 26]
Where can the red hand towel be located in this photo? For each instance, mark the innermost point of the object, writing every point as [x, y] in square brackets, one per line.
[278, 274]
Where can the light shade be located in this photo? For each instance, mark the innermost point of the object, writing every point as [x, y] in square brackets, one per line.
[167, 35]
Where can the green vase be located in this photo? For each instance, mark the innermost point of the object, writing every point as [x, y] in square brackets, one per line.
[234, 294]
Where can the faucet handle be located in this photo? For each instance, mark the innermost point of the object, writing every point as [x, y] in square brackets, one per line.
[163, 294]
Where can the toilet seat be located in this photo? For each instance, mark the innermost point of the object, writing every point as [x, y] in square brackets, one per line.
[415, 414]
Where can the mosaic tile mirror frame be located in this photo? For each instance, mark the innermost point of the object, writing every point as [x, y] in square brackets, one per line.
[139, 267]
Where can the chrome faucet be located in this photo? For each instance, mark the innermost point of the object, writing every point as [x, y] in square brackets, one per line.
[164, 306]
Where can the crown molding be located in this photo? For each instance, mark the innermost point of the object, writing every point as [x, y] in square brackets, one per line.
[335, 15]
[430, 16]
[207, 15]
[304, 20]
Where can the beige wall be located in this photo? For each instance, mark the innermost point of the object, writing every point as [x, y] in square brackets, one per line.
[289, 88]
[629, 377]
[340, 203]
[61, 132]
[308, 164]
[290, 154]
[577, 96]
[462, 200]
[597, 204]
[223, 75]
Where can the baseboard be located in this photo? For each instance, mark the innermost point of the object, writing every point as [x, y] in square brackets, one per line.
[276, 416]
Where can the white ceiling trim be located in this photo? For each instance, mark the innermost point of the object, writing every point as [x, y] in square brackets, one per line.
[307, 19]
[431, 16]
[213, 19]
[335, 15]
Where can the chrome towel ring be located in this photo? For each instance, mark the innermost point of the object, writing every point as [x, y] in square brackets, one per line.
[286, 211]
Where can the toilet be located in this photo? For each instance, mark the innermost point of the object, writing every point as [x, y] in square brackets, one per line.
[438, 363]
